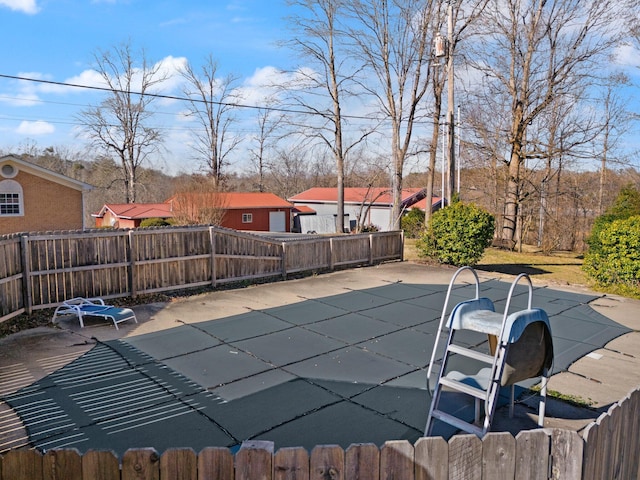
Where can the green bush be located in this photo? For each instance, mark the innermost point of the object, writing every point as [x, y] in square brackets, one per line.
[413, 223]
[457, 234]
[627, 204]
[615, 260]
[154, 222]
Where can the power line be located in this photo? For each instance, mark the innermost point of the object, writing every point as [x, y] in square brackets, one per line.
[175, 97]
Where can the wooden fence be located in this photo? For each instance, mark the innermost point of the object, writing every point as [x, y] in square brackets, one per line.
[42, 270]
[606, 450]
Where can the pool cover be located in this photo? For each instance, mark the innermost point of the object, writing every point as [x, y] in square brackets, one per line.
[343, 369]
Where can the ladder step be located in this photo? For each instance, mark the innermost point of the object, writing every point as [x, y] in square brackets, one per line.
[467, 352]
[457, 422]
[464, 388]
[485, 321]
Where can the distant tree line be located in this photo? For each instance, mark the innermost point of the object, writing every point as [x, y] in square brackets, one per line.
[562, 222]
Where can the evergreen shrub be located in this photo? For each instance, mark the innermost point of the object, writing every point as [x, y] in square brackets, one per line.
[457, 234]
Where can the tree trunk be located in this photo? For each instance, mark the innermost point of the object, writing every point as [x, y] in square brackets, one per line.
[512, 200]
[433, 153]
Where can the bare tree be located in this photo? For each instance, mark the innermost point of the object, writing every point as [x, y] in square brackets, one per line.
[212, 101]
[459, 17]
[616, 121]
[322, 92]
[538, 51]
[393, 39]
[269, 121]
[119, 125]
[198, 201]
[289, 172]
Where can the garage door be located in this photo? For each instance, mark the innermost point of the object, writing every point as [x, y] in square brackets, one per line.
[277, 222]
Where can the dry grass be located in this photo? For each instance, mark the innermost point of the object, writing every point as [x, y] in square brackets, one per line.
[562, 268]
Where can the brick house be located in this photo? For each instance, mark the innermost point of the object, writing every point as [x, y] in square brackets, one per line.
[33, 198]
[238, 210]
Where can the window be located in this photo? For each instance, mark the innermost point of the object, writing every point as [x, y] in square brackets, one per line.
[9, 204]
[8, 171]
[247, 218]
[10, 198]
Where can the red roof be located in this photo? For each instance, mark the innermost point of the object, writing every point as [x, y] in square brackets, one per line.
[303, 209]
[137, 210]
[255, 200]
[422, 204]
[237, 200]
[375, 195]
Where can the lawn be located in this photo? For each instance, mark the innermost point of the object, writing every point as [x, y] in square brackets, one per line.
[562, 268]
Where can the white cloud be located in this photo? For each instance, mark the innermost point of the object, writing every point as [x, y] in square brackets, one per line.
[87, 78]
[628, 56]
[264, 84]
[38, 127]
[170, 67]
[25, 6]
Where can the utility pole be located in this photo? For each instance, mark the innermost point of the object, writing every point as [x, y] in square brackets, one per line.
[451, 144]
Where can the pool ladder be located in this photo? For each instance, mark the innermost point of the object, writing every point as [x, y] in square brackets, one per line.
[520, 347]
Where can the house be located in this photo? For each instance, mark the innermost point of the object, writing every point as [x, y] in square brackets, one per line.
[129, 215]
[33, 198]
[237, 210]
[363, 206]
[256, 211]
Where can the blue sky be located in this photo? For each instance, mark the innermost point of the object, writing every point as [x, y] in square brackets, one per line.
[56, 39]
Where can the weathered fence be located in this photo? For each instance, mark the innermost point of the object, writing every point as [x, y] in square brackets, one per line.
[42, 270]
[612, 442]
[607, 450]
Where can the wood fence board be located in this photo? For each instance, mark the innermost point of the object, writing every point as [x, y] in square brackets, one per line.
[291, 464]
[597, 442]
[254, 464]
[532, 455]
[465, 457]
[629, 431]
[634, 436]
[566, 454]
[625, 439]
[362, 461]
[327, 462]
[100, 465]
[141, 464]
[617, 414]
[215, 463]
[607, 447]
[179, 464]
[22, 464]
[396, 460]
[499, 455]
[62, 464]
[431, 459]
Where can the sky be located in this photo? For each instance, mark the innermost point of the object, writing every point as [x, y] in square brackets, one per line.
[56, 40]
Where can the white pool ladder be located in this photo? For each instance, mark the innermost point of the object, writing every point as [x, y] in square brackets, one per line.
[520, 348]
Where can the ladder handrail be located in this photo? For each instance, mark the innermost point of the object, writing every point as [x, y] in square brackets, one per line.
[502, 328]
[444, 313]
[508, 304]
